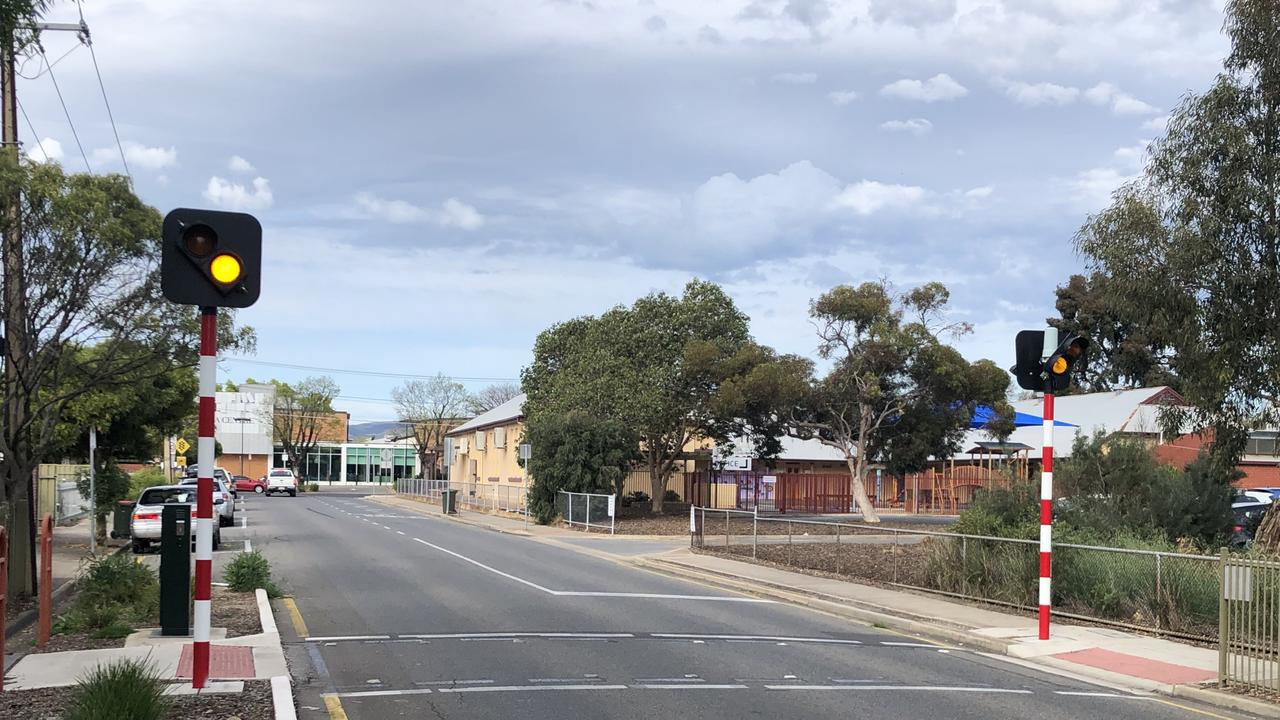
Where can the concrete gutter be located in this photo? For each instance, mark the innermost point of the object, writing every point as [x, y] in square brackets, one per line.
[938, 630]
[281, 685]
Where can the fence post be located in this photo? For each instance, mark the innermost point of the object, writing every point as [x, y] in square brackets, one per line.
[4, 593]
[1224, 637]
[788, 542]
[46, 580]
[726, 528]
[1159, 597]
[755, 529]
[588, 504]
[964, 565]
[838, 548]
[569, 501]
[894, 550]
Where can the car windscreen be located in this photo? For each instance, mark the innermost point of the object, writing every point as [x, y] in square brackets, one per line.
[163, 496]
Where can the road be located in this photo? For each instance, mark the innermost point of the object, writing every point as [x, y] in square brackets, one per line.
[410, 616]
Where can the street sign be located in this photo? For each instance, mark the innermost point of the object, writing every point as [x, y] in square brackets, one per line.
[181, 460]
[385, 455]
[183, 446]
[526, 451]
[612, 500]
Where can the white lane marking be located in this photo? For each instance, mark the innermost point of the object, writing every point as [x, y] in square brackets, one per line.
[335, 638]
[565, 680]
[399, 532]
[671, 680]
[928, 688]
[684, 636]
[908, 644]
[482, 566]
[455, 682]
[384, 527]
[381, 693]
[578, 593]
[248, 547]
[1082, 693]
[659, 596]
[463, 636]
[683, 686]
[523, 688]
[244, 521]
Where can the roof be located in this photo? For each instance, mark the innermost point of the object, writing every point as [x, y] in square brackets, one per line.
[1119, 411]
[509, 411]
[792, 449]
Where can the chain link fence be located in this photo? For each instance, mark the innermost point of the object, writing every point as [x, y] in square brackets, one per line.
[1173, 593]
[590, 510]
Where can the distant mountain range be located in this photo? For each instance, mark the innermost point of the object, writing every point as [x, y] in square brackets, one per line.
[361, 431]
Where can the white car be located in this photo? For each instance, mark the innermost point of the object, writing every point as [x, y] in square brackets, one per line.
[147, 514]
[282, 480]
[1260, 496]
[223, 501]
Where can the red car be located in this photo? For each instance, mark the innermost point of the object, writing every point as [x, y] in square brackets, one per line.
[248, 484]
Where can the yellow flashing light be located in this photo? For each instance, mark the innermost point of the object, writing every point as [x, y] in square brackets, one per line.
[225, 269]
[1059, 365]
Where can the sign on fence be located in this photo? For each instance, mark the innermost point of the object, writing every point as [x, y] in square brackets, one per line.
[612, 501]
[385, 455]
[1238, 583]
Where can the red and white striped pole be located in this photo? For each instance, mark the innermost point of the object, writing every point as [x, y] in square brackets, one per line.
[1046, 517]
[204, 495]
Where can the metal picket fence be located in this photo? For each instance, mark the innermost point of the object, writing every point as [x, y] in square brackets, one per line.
[582, 508]
[486, 497]
[1249, 625]
[1175, 594]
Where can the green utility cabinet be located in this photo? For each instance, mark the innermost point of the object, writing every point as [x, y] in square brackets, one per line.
[175, 570]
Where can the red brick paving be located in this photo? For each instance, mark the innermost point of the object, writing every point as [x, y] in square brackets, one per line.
[1138, 666]
[226, 662]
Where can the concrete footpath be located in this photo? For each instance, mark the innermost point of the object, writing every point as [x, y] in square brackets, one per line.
[1114, 658]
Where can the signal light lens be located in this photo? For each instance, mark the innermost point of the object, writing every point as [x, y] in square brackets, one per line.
[199, 240]
[1059, 365]
[225, 269]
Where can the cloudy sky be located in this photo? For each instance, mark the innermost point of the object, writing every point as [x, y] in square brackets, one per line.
[439, 181]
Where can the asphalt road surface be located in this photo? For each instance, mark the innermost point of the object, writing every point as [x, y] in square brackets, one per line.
[409, 616]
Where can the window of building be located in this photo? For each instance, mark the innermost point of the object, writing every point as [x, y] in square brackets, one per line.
[1262, 443]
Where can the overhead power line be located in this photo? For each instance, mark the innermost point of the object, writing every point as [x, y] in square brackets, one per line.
[88, 41]
[369, 373]
[65, 111]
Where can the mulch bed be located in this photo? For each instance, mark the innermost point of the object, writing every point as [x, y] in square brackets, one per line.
[867, 563]
[50, 704]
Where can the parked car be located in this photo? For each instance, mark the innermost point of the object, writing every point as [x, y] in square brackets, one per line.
[247, 484]
[282, 480]
[224, 504]
[1246, 517]
[145, 523]
[1254, 495]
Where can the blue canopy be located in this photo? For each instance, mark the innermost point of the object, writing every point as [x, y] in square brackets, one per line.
[983, 414]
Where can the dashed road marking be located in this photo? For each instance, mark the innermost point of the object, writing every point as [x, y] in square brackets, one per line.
[905, 688]
[528, 688]
[346, 637]
[765, 638]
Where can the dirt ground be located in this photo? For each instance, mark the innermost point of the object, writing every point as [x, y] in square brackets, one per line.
[882, 564]
[51, 704]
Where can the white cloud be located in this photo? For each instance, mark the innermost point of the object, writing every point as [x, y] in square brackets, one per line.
[238, 164]
[842, 97]
[655, 24]
[939, 87]
[1122, 103]
[789, 78]
[455, 213]
[234, 196]
[45, 150]
[979, 192]
[1156, 124]
[1042, 93]
[869, 196]
[452, 212]
[137, 154]
[915, 126]
[912, 12]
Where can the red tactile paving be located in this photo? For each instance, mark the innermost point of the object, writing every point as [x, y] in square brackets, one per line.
[226, 662]
[1136, 666]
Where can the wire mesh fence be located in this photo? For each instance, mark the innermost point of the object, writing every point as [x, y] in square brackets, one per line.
[486, 497]
[590, 510]
[1173, 593]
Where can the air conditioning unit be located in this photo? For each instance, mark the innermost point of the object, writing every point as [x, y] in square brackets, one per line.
[500, 437]
[479, 439]
[464, 446]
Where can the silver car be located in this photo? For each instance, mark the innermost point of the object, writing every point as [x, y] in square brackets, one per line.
[224, 502]
[145, 525]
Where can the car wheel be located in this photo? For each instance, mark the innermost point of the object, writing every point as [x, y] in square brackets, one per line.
[140, 546]
[258, 489]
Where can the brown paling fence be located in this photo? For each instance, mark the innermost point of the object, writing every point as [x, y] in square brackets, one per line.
[945, 491]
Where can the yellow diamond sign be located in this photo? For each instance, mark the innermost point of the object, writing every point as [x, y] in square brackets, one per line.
[183, 445]
[182, 460]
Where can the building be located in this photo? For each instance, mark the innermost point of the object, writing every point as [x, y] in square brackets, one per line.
[485, 449]
[1260, 462]
[242, 426]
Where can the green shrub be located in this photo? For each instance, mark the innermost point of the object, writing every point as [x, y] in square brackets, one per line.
[114, 595]
[130, 689]
[145, 478]
[313, 487]
[671, 496]
[248, 572]
[113, 631]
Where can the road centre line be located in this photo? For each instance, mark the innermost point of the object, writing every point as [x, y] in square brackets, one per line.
[683, 686]
[346, 637]
[482, 566]
[464, 636]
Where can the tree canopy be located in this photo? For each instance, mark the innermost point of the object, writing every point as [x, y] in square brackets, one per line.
[671, 371]
[428, 409]
[301, 412]
[895, 393]
[576, 453]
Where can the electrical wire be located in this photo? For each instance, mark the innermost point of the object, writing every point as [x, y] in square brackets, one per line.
[66, 112]
[370, 373]
[32, 128]
[89, 42]
[43, 71]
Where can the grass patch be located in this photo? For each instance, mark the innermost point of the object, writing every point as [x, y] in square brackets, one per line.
[124, 689]
[248, 572]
